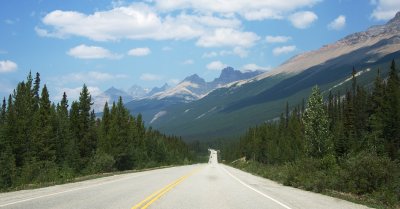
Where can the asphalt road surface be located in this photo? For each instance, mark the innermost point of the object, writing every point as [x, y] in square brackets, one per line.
[205, 186]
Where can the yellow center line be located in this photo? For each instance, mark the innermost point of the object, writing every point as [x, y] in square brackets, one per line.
[156, 195]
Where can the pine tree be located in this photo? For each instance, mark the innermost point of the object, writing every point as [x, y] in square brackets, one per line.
[64, 138]
[348, 123]
[392, 109]
[316, 126]
[104, 141]
[7, 158]
[376, 118]
[35, 92]
[84, 135]
[44, 136]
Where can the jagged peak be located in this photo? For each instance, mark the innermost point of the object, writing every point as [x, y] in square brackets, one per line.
[395, 19]
[195, 79]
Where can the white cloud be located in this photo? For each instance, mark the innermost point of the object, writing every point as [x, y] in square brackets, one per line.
[7, 66]
[137, 21]
[150, 77]
[216, 65]
[254, 67]
[338, 23]
[222, 37]
[188, 62]
[248, 9]
[91, 52]
[283, 50]
[239, 51]
[277, 39]
[139, 51]
[91, 77]
[385, 9]
[303, 20]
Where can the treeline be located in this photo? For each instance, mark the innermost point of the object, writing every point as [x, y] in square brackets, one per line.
[348, 143]
[45, 142]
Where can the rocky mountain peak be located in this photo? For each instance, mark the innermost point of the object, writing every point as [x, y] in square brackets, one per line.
[395, 19]
[195, 79]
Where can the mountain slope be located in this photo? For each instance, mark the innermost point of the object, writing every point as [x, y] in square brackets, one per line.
[191, 89]
[231, 110]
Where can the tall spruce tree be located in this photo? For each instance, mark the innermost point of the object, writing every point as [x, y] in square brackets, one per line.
[392, 109]
[377, 116]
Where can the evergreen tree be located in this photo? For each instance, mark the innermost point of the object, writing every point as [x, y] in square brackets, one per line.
[316, 126]
[104, 141]
[392, 109]
[377, 116]
[35, 92]
[85, 140]
[44, 136]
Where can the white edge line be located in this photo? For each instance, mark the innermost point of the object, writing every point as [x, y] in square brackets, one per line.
[246, 185]
[71, 190]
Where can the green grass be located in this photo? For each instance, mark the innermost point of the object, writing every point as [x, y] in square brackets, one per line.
[284, 174]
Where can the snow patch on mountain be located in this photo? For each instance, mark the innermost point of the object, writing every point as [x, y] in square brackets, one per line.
[158, 115]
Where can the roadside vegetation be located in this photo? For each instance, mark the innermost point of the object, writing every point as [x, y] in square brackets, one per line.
[346, 146]
[42, 142]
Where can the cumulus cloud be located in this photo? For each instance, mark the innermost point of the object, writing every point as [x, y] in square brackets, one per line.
[238, 51]
[216, 65]
[254, 67]
[303, 20]
[150, 77]
[277, 39]
[7, 66]
[283, 50]
[385, 9]
[338, 23]
[222, 37]
[91, 77]
[91, 52]
[248, 9]
[137, 21]
[139, 52]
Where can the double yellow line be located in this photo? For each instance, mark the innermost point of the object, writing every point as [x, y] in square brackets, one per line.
[156, 195]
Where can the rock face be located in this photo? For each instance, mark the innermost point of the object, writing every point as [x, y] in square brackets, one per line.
[194, 87]
[110, 95]
[137, 92]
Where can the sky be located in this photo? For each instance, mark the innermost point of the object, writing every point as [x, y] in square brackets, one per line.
[119, 43]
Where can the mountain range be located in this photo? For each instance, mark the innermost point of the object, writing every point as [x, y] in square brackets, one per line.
[190, 89]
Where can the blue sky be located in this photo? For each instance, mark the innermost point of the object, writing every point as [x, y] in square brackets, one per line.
[152, 42]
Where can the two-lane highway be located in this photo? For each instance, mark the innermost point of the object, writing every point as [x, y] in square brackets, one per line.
[209, 185]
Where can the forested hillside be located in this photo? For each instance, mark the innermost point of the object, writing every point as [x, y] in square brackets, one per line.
[45, 142]
[347, 143]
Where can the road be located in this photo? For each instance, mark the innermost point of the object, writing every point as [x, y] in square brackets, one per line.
[209, 185]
